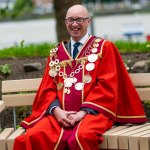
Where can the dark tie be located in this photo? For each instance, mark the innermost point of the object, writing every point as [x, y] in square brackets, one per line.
[75, 50]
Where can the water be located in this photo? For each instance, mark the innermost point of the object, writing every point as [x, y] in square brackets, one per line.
[33, 31]
[43, 30]
[115, 26]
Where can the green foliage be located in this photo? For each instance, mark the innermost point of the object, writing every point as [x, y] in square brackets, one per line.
[5, 69]
[22, 7]
[30, 50]
[42, 49]
[146, 105]
[3, 12]
[127, 46]
[23, 112]
[21, 4]
[22, 43]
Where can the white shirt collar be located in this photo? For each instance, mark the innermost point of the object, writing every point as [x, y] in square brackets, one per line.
[82, 41]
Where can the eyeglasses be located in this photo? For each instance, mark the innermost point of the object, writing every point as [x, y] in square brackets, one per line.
[77, 20]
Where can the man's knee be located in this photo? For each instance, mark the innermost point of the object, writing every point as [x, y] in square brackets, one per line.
[82, 134]
[34, 134]
[86, 134]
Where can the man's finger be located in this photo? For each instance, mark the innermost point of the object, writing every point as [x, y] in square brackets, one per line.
[73, 123]
[66, 120]
[71, 112]
[66, 124]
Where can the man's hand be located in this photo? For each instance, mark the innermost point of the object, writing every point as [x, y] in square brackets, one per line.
[62, 116]
[74, 118]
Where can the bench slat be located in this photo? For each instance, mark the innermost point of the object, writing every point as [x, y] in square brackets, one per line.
[10, 140]
[140, 79]
[18, 99]
[12, 100]
[144, 142]
[144, 93]
[134, 140]
[123, 139]
[147, 127]
[104, 145]
[3, 137]
[28, 85]
[2, 106]
[113, 137]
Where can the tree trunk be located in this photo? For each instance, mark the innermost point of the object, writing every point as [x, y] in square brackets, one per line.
[61, 7]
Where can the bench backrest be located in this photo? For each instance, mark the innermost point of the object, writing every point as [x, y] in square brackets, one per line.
[22, 92]
[19, 92]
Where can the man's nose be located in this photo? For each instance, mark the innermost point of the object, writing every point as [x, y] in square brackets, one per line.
[74, 22]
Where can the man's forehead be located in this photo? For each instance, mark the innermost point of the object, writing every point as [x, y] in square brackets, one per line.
[77, 11]
[74, 15]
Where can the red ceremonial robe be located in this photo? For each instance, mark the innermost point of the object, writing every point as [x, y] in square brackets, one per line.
[110, 92]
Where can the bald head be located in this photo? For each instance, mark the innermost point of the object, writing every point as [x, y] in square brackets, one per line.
[77, 21]
[79, 10]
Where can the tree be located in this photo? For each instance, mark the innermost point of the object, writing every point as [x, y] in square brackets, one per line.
[21, 4]
[61, 7]
[22, 7]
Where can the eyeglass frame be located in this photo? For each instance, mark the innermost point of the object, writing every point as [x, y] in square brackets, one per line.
[75, 19]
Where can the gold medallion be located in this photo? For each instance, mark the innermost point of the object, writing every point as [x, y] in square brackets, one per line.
[60, 86]
[98, 40]
[87, 79]
[52, 72]
[95, 44]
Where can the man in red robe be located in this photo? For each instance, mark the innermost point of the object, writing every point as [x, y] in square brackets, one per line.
[82, 94]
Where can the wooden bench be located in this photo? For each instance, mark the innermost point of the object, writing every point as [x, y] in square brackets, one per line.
[127, 137]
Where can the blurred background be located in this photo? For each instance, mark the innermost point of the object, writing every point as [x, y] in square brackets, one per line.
[34, 21]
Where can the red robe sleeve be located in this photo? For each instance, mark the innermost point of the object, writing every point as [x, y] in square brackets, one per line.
[112, 92]
[45, 95]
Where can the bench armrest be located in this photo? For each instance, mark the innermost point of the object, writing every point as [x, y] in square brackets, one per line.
[2, 105]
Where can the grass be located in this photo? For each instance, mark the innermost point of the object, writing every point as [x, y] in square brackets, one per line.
[42, 49]
[125, 46]
[30, 50]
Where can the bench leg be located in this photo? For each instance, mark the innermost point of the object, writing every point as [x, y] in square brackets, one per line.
[14, 115]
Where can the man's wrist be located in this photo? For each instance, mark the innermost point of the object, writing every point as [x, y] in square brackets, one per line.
[90, 110]
[84, 112]
[52, 110]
